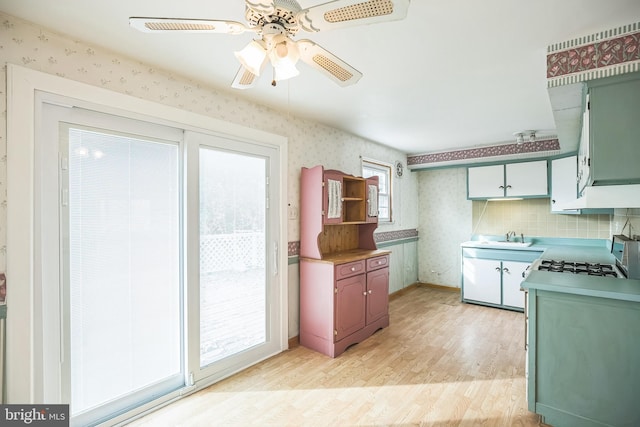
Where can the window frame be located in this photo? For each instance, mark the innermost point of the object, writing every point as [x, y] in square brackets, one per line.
[387, 169]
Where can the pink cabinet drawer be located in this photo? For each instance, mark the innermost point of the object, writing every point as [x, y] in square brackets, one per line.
[350, 269]
[377, 262]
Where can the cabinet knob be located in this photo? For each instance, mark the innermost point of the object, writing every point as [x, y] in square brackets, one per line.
[364, 293]
[370, 291]
[501, 187]
[505, 270]
[353, 269]
[553, 201]
[497, 268]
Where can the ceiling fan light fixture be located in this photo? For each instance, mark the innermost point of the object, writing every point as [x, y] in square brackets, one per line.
[284, 56]
[285, 70]
[252, 57]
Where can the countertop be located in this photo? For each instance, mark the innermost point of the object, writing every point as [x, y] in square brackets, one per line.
[580, 250]
[348, 256]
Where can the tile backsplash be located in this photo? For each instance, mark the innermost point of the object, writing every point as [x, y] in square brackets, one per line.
[627, 222]
[533, 217]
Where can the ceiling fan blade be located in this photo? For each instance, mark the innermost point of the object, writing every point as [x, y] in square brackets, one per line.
[347, 13]
[327, 63]
[172, 25]
[264, 7]
[244, 79]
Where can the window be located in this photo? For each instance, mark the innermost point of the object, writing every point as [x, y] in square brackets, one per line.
[383, 172]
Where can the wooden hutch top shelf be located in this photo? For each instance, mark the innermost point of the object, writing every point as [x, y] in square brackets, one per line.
[338, 215]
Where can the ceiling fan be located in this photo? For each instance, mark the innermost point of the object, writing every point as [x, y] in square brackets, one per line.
[276, 22]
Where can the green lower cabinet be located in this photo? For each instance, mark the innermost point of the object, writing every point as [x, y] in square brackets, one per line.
[584, 360]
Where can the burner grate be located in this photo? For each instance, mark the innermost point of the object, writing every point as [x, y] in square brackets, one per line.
[591, 269]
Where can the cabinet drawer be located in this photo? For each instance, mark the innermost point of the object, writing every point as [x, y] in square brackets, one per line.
[350, 269]
[377, 262]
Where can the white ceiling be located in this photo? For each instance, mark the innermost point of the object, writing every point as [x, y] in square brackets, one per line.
[454, 74]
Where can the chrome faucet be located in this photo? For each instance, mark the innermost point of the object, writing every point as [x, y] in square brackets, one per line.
[509, 234]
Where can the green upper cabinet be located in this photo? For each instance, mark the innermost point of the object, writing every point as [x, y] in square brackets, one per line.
[523, 179]
[610, 143]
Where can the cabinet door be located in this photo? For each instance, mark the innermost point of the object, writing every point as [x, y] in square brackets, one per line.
[332, 205]
[526, 179]
[377, 294]
[564, 186]
[485, 181]
[584, 172]
[481, 280]
[350, 299]
[512, 272]
[613, 130]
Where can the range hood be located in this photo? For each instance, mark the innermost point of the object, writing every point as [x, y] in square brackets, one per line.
[606, 197]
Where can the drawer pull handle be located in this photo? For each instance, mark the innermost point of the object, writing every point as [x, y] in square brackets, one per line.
[353, 269]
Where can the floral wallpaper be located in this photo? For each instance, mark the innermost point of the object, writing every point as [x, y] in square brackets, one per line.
[442, 201]
[310, 143]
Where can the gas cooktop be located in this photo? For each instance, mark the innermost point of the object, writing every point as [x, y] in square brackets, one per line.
[590, 269]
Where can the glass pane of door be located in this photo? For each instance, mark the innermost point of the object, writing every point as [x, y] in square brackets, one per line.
[123, 270]
[233, 285]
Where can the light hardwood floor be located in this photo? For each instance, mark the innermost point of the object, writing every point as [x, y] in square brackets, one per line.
[439, 363]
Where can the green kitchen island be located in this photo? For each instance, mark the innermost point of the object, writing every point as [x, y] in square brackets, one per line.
[583, 347]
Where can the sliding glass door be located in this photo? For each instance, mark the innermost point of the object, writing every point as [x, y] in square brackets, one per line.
[121, 216]
[160, 261]
[236, 253]
[232, 254]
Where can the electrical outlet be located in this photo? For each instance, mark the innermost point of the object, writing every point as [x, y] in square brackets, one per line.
[293, 212]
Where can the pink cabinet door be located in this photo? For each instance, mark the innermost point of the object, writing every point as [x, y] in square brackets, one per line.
[350, 305]
[377, 294]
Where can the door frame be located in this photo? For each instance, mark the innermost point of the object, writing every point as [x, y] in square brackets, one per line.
[26, 89]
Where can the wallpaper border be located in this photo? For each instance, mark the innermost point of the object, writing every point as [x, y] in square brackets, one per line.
[598, 55]
[481, 152]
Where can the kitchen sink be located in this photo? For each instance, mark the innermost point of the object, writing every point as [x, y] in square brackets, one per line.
[505, 244]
